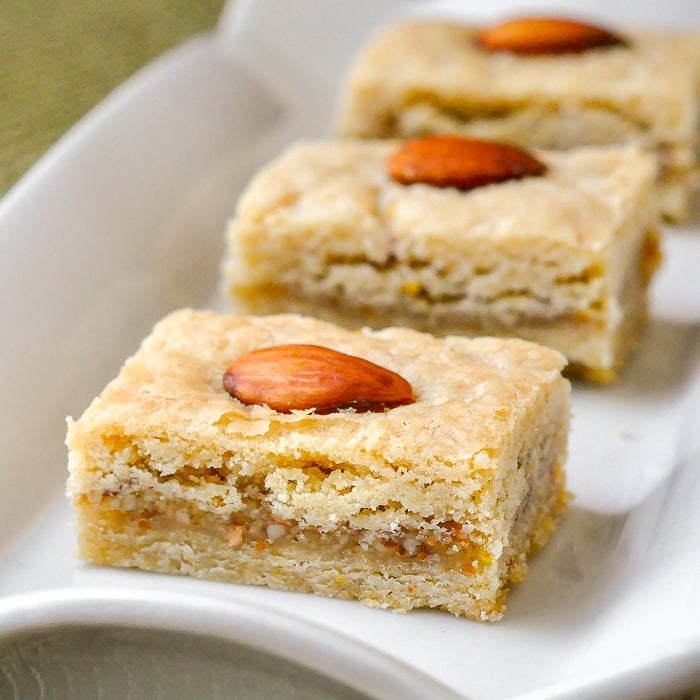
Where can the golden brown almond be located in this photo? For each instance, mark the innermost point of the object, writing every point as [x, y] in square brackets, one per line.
[456, 161]
[299, 377]
[542, 35]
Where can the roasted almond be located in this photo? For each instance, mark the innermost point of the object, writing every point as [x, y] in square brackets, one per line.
[299, 377]
[456, 161]
[542, 35]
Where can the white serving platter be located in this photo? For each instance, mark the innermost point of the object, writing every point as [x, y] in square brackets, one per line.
[122, 221]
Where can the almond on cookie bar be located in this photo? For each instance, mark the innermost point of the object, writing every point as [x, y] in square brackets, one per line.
[287, 452]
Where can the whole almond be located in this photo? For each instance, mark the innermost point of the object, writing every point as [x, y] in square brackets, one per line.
[299, 377]
[456, 161]
[542, 35]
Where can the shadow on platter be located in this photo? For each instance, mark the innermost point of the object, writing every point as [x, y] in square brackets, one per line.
[575, 577]
[663, 361]
[593, 557]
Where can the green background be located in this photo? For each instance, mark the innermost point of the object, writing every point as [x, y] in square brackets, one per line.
[59, 58]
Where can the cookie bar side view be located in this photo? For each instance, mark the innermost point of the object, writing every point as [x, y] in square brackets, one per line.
[433, 497]
[440, 77]
[561, 255]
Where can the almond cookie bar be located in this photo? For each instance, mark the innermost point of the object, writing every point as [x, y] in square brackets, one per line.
[537, 82]
[560, 257]
[411, 486]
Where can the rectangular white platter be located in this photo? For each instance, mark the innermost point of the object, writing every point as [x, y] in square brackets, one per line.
[122, 222]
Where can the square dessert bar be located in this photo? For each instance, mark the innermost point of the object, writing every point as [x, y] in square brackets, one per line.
[562, 258]
[433, 503]
[438, 77]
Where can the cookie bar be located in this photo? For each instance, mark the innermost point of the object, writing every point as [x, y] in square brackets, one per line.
[435, 502]
[437, 77]
[562, 258]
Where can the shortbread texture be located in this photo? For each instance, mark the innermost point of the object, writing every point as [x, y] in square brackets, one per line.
[432, 77]
[433, 504]
[561, 259]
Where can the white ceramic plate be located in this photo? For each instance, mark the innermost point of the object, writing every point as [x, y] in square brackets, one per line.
[122, 222]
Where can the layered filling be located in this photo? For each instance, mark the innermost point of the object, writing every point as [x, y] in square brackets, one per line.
[256, 528]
